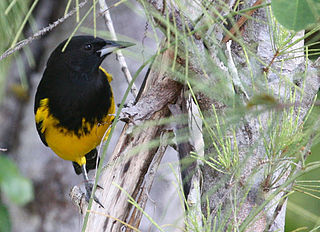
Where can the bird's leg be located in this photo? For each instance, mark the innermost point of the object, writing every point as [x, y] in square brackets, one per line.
[89, 186]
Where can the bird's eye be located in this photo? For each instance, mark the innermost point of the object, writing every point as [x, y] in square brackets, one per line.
[88, 47]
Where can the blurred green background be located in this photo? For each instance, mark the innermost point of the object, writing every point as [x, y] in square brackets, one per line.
[303, 210]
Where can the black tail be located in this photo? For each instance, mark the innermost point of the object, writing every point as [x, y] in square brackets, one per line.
[91, 158]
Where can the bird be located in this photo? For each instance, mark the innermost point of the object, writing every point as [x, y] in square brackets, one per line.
[74, 104]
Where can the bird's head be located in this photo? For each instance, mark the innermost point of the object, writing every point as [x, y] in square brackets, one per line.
[84, 53]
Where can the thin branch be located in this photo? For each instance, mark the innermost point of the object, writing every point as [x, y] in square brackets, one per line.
[40, 33]
[241, 21]
[78, 198]
[124, 67]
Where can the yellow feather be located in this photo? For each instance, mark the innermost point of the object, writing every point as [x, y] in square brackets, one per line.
[109, 76]
[68, 145]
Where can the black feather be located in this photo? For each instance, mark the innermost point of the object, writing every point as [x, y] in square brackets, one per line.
[75, 90]
[91, 164]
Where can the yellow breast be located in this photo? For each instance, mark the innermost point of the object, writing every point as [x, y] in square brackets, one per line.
[69, 145]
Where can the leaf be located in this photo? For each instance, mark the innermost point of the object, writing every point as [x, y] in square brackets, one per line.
[5, 224]
[296, 14]
[16, 187]
[7, 168]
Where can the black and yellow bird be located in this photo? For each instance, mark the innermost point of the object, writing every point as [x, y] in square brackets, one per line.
[74, 105]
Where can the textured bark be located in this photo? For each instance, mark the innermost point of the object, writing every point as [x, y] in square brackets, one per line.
[52, 177]
[232, 197]
[128, 169]
[251, 186]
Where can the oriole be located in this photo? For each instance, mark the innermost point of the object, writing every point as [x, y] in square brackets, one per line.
[74, 104]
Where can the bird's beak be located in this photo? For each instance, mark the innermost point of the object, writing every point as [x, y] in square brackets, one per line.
[112, 46]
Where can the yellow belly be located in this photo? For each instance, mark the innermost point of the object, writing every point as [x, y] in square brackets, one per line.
[70, 146]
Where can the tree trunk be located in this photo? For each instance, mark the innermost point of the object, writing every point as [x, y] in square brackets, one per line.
[254, 198]
[251, 94]
[128, 165]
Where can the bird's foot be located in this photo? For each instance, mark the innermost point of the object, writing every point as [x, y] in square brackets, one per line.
[89, 187]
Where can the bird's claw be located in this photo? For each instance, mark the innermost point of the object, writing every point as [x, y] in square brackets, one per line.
[100, 187]
[89, 187]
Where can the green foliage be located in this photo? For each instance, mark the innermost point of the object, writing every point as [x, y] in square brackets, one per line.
[15, 186]
[5, 224]
[304, 204]
[225, 144]
[14, 16]
[283, 135]
[283, 138]
[296, 15]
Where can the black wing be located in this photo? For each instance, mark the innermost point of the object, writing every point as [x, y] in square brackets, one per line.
[38, 97]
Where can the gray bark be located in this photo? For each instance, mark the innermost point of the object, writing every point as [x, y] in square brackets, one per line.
[250, 195]
[244, 198]
[249, 185]
[125, 168]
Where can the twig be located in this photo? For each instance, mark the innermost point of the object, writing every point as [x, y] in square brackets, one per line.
[40, 33]
[78, 199]
[266, 69]
[124, 67]
[241, 21]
